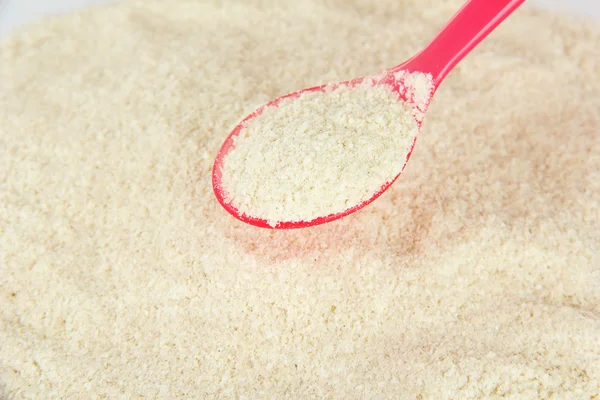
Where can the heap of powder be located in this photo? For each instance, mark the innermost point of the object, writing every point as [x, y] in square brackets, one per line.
[475, 276]
[321, 153]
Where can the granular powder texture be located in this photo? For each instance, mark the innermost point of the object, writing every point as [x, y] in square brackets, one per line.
[319, 154]
[476, 275]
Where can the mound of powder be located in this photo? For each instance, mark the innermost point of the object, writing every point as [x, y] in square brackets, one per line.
[319, 154]
[476, 275]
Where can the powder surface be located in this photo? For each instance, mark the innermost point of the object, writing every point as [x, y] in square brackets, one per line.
[319, 154]
[476, 275]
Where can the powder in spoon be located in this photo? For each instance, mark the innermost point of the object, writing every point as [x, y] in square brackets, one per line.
[323, 152]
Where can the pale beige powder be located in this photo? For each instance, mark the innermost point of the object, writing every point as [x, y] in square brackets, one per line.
[475, 276]
[319, 154]
[417, 88]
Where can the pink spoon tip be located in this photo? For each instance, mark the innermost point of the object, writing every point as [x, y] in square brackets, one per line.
[469, 26]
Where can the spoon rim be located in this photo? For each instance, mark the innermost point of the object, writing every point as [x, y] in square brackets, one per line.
[386, 78]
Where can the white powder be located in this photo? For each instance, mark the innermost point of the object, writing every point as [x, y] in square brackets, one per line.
[319, 154]
[417, 89]
[121, 277]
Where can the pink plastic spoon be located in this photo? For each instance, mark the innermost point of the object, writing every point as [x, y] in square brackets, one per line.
[471, 24]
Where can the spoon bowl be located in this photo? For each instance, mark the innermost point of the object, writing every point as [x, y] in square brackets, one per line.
[469, 26]
[388, 79]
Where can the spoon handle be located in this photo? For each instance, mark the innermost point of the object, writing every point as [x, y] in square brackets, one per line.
[469, 26]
